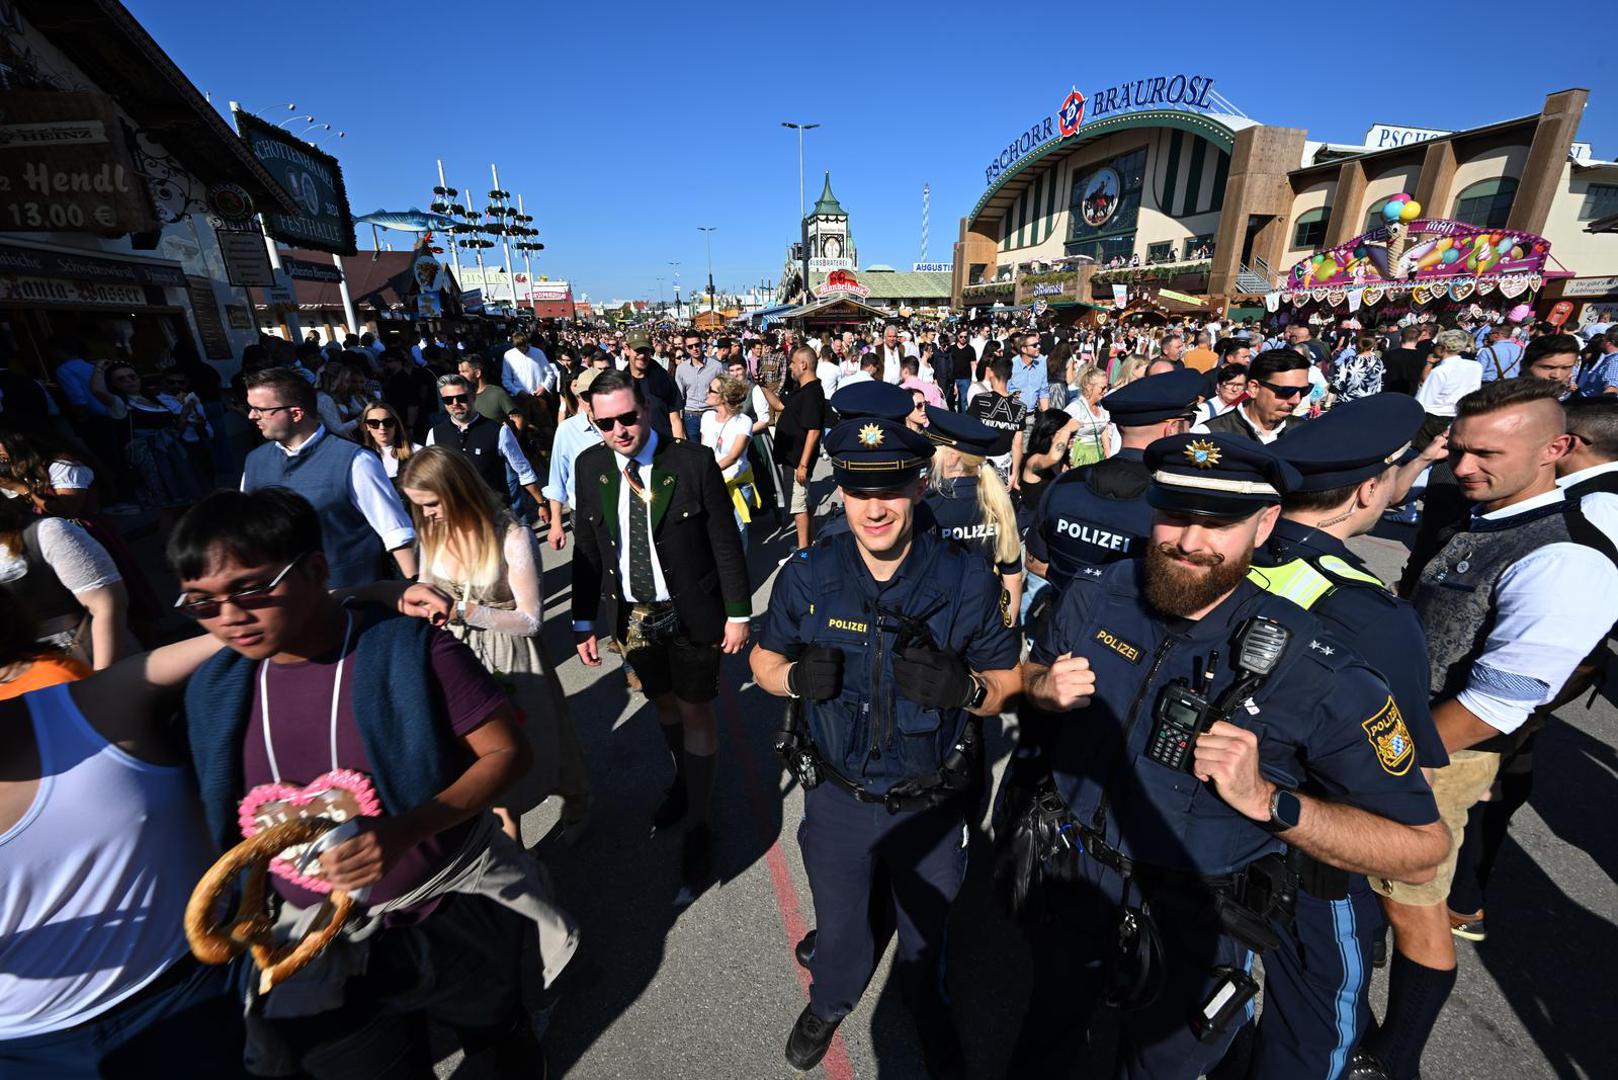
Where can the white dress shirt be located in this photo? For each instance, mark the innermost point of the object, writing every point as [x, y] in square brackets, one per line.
[506, 443]
[1600, 507]
[528, 372]
[1445, 385]
[371, 492]
[1552, 607]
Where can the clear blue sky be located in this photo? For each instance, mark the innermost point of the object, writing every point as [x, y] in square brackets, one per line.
[626, 126]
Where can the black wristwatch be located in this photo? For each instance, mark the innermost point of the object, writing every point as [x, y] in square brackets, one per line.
[1285, 811]
[980, 693]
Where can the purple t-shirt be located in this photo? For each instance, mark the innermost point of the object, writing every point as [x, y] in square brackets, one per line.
[300, 730]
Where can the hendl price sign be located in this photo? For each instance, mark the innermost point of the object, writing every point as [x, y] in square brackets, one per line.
[64, 167]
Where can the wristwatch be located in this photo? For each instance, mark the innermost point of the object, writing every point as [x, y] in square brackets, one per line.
[980, 693]
[1285, 811]
[460, 612]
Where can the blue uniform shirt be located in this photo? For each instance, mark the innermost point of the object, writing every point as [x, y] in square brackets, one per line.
[825, 596]
[1382, 627]
[1076, 527]
[1326, 723]
[959, 518]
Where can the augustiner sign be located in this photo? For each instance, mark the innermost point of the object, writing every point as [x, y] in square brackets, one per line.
[64, 167]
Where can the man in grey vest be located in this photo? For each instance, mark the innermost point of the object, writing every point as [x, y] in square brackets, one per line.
[1515, 597]
[360, 513]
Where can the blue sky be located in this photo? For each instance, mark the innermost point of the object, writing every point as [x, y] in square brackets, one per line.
[626, 126]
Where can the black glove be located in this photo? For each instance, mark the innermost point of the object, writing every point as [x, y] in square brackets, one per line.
[818, 674]
[931, 678]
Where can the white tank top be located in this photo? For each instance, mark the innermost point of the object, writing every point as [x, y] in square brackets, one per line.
[94, 877]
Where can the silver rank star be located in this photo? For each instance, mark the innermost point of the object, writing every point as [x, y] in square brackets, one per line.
[1325, 650]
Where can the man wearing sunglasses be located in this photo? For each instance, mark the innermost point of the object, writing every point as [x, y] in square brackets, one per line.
[655, 534]
[360, 513]
[1277, 380]
[490, 447]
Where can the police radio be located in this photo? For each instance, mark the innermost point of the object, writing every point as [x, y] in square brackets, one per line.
[1184, 712]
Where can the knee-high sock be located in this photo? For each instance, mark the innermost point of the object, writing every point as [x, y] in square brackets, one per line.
[1416, 995]
[699, 774]
[674, 736]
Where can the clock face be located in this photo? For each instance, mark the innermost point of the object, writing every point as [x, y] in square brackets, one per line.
[832, 248]
[1100, 198]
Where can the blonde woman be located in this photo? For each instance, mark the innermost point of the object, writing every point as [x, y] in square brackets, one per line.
[490, 566]
[727, 430]
[1128, 370]
[381, 430]
[1094, 438]
[969, 500]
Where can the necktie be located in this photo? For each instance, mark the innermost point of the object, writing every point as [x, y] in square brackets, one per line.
[642, 585]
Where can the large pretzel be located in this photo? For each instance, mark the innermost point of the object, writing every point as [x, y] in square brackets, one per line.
[215, 943]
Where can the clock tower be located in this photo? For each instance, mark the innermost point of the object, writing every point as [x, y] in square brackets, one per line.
[826, 225]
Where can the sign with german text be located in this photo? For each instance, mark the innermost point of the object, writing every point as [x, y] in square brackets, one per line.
[247, 261]
[205, 309]
[64, 167]
[314, 180]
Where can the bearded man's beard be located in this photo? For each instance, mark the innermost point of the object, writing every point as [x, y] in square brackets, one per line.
[1175, 588]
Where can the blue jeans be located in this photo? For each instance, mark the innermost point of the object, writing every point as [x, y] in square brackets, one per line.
[961, 387]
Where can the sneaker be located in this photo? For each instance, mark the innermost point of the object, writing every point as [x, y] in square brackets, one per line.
[804, 951]
[1364, 1065]
[672, 809]
[811, 1037]
[1469, 927]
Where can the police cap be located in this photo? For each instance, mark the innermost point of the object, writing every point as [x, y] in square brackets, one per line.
[1156, 398]
[1352, 442]
[1216, 475]
[872, 398]
[966, 433]
[874, 453]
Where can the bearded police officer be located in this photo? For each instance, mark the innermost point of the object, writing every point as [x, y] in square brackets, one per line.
[1201, 726]
[1317, 983]
[1097, 514]
[891, 642]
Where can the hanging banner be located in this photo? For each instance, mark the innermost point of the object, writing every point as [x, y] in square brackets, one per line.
[64, 167]
[1355, 297]
[1272, 302]
[1120, 296]
[314, 180]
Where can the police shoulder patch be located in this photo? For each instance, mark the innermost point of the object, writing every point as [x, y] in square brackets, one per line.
[1395, 750]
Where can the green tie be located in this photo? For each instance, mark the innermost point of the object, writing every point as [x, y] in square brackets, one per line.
[642, 585]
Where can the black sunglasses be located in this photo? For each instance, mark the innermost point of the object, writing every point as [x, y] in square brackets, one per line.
[628, 420]
[254, 596]
[1282, 391]
[386, 421]
[452, 399]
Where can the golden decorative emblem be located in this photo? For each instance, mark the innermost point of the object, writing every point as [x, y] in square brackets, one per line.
[871, 435]
[1202, 453]
[1395, 749]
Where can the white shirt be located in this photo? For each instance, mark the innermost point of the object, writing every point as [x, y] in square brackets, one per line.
[1552, 607]
[830, 376]
[506, 443]
[1445, 385]
[417, 354]
[391, 464]
[855, 379]
[1214, 406]
[371, 492]
[528, 372]
[720, 438]
[1600, 507]
[890, 362]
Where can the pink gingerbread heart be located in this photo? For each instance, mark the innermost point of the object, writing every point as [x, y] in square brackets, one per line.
[337, 796]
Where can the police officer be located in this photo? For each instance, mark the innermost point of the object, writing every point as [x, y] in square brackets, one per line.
[1204, 725]
[1317, 983]
[1095, 515]
[891, 642]
[969, 503]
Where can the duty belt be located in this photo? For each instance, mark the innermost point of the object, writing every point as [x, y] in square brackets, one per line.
[1186, 883]
[894, 800]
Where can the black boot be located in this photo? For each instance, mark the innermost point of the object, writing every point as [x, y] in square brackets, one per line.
[809, 1040]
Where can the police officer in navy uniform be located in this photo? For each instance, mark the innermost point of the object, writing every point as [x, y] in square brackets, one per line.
[969, 502]
[1095, 515]
[891, 643]
[1203, 726]
[1317, 982]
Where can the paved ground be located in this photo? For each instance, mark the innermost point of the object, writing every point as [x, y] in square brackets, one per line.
[711, 991]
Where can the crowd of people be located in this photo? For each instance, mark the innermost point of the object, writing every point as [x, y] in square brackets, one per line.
[1126, 544]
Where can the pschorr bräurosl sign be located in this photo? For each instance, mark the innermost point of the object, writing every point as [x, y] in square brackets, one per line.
[1187, 92]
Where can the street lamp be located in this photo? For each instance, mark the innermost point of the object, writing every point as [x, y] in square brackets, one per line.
[707, 235]
[676, 266]
[803, 225]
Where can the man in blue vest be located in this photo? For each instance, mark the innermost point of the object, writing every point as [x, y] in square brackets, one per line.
[891, 642]
[1317, 984]
[1197, 727]
[1096, 515]
[360, 513]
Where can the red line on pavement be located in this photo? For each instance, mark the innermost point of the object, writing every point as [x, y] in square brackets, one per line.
[836, 1063]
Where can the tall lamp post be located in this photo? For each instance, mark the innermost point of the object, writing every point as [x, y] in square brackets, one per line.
[676, 266]
[803, 224]
[707, 235]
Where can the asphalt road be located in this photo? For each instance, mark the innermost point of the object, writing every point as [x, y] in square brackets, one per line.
[710, 991]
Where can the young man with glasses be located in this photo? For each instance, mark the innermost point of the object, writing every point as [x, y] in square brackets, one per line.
[360, 513]
[1277, 381]
[656, 536]
[491, 447]
[693, 377]
[321, 708]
